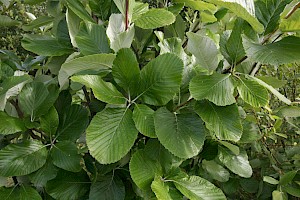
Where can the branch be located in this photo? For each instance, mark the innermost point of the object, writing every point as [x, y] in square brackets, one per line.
[126, 14]
[183, 104]
[16, 105]
[293, 10]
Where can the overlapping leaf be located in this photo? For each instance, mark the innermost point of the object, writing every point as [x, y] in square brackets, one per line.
[291, 24]
[155, 18]
[10, 125]
[143, 117]
[111, 134]
[17, 193]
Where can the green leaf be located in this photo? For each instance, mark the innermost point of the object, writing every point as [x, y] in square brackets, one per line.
[10, 125]
[38, 22]
[23, 192]
[98, 63]
[49, 122]
[161, 189]
[287, 178]
[104, 91]
[6, 21]
[92, 39]
[204, 49]
[272, 81]
[233, 148]
[252, 92]
[73, 22]
[43, 175]
[251, 132]
[111, 134]
[271, 89]
[35, 99]
[118, 36]
[72, 123]
[270, 180]
[143, 117]
[72, 186]
[216, 171]
[45, 45]
[268, 13]
[291, 24]
[143, 169]
[160, 79]
[278, 195]
[182, 134]
[77, 7]
[238, 164]
[155, 18]
[223, 121]
[108, 188]
[242, 9]
[195, 187]
[289, 111]
[292, 191]
[217, 88]
[64, 155]
[126, 71]
[23, 158]
[198, 5]
[282, 52]
[232, 48]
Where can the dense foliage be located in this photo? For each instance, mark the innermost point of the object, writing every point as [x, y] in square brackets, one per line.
[124, 99]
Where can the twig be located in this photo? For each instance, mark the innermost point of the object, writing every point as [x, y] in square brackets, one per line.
[183, 104]
[293, 10]
[126, 14]
[16, 105]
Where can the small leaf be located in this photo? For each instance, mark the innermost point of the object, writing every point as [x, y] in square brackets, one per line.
[64, 155]
[143, 117]
[233, 148]
[238, 164]
[216, 171]
[23, 192]
[104, 91]
[278, 195]
[108, 188]
[223, 121]
[282, 52]
[160, 79]
[6, 21]
[72, 186]
[155, 18]
[37, 23]
[23, 158]
[271, 89]
[92, 39]
[111, 134]
[204, 49]
[287, 177]
[195, 187]
[49, 122]
[161, 189]
[182, 134]
[98, 63]
[270, 180]
[198, 5]
[253, 93]
[143, 169]
[77, 7]
[217, 88]
[10, 125]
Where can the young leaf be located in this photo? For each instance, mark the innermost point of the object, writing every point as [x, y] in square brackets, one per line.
[98, 63]
[216, 171]
[118, 36]
[64, 155]
[195, 187]
[161, 189]
[223, 121]
[108, 188]
[268, 13]
[238, 164]
[242, 9]
[204, 49]
[155, 18]
[111, 134]
[17, 193]
[252, 92]
[126, 71]
[77, 7]
[10, 125]
[291, 24]
[23, 158]
[92, 39]
[71, 185]
[217, 88]
[282, 52]
[143, 117]
[72, 122]
[37, 23]
[104, 91]
[160, 79]
[182, 134]
[271, 89]
[143, 169]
